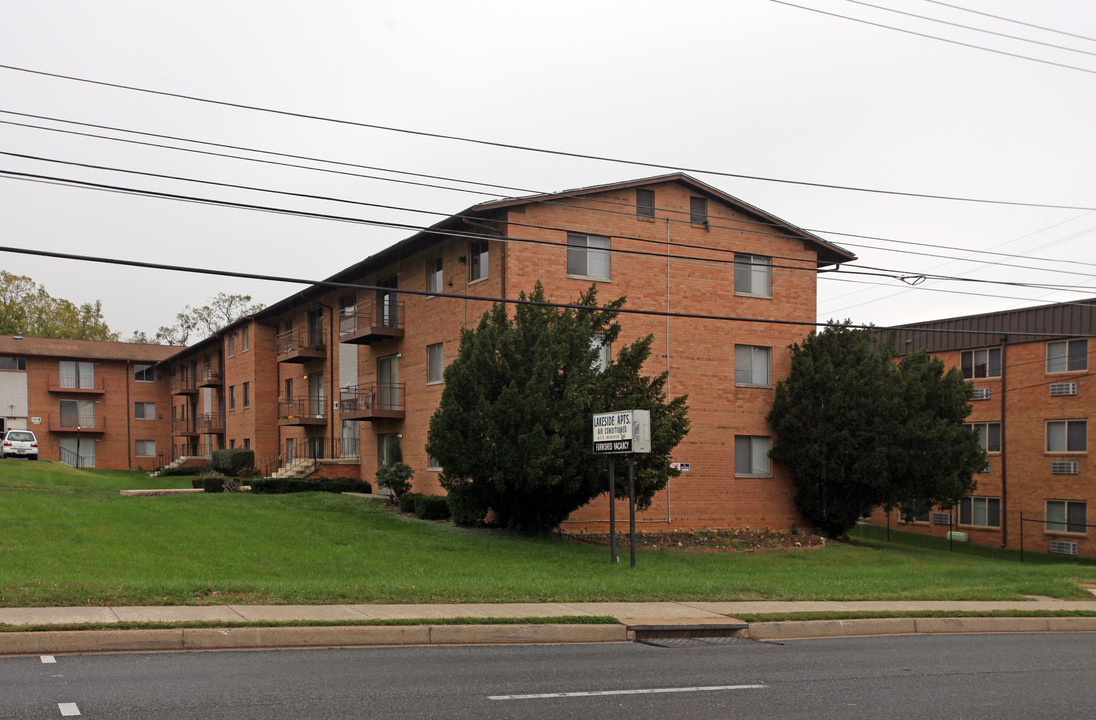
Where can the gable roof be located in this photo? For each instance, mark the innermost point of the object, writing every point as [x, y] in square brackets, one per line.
[83, 349]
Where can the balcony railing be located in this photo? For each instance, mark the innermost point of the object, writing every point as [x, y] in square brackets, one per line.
[299, 346]
[66, 422]
[371, 321]
[210, 376]
[183, 385]
[184, 427]
[74, 384]
[211, 423]
[304, 410]
[370, 401]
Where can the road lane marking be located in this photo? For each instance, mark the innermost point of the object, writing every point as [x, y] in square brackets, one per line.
[68, 709]
[48, 660]
[639, 691]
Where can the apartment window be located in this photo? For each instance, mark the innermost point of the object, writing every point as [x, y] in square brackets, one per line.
[698, 210]
[231, 398]
[753, 275]
[909, 516]
[232, 444]
[751, 456]
[981, 363]
[1067, 436]
[247, 443]
[478, 260]
[245, 338]
[604, 353]
[435, 276]
[433, 464]
[388, 448]
[645, 203]
[232, 345]
[752, 366]
[588, 256]
[1067, 516]
[980, 511]
[144, 448]
[989, 435]
[288, 388]
[144, 411]
[1067, 356]
[13, 363]
[144, 373]
[77, 375]
[247, 394]
[435, 365]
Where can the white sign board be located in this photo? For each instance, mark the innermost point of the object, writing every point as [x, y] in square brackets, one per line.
[624, 431]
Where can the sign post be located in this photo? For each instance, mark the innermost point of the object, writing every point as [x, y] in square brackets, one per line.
[624, 432]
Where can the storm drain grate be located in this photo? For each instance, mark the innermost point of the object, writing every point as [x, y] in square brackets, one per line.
[689, 642]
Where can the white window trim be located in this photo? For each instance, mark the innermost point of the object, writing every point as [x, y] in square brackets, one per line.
[1066, 421]
[587, 250]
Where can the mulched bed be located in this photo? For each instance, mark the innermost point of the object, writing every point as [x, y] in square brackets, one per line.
[710, 540]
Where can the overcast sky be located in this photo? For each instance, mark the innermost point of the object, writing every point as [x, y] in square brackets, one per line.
[747, 87]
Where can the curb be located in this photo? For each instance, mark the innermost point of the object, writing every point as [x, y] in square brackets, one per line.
[797, 629]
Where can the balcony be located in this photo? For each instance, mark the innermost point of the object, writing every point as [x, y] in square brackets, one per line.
[184, 428]
[183, 385]
[301, 411]
[211, 423]
[369, 322]
[210, 376]
[372, 401]
[77, 423]
[300, 346]
[74, 384]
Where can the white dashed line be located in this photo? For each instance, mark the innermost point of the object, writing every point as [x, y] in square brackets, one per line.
[48, 660]
[640, 691]
[68, 709]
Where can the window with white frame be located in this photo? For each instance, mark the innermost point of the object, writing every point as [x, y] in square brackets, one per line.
[989, 435]
[435, 363]
[245, 338]
[1067, 436]
[698, 211]
[1067, 356]
[144, 410]
[753, 275]
[435, 276]
[144, 373]
[144, 448]
[13, 363]
[433, 464]
[980, 511]
[588, 256]
[604, 353]
[980, 363]
[232, 345]
[753, 366]
[231, 398]
[478, 260]
[751, 456]
[1066, 516]
[247, 394]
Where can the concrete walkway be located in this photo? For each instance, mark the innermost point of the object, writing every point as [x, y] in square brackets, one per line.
[634, 620]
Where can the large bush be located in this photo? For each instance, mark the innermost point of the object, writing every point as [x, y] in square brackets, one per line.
[231, 463]
[431, 507]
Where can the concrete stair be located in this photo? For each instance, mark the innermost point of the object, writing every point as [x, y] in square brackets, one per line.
[297, 469]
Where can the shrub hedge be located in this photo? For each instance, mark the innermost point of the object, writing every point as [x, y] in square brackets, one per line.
[432, 507]
[231, 463]
[276, 486]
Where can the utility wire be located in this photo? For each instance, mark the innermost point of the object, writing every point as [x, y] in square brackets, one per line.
[970, 27]
[479, 192]
[527, 148]
[1010, 20]
[453, 296]
[934, 37]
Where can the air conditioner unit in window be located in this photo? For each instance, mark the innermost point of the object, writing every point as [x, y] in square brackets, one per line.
[1060, 467]
[941, 518]
[981, 394]
[1061, 547]
[1062, 389]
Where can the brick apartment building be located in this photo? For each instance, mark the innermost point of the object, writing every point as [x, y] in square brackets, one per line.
[97, 403]
[335, 377]
[1033, 400]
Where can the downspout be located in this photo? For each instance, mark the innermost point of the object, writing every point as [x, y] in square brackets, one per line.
[669, 517]
[277, 389]
[129, 416]
[1004, 445]
[331, 349]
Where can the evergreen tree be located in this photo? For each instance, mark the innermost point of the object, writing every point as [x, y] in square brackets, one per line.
[859, 431]
[513, 429]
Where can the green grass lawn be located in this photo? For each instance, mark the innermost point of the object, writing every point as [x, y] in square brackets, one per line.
[68, 538]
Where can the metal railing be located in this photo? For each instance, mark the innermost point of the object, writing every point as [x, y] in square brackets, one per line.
[75, 383]
[355, 399]
[210, 375]
[182, 382]
[292, 341]
[75, 422]
[211, 423]
[303, 406]
[369, 314]
[186, 425]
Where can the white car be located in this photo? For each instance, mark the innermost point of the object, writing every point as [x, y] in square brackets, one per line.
[19, 443]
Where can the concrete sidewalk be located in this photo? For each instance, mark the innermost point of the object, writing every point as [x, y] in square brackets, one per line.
[634, 620]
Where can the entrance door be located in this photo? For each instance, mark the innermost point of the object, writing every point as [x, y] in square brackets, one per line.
[387, 299]
[388, 379]
[315, 395]
[349, 439]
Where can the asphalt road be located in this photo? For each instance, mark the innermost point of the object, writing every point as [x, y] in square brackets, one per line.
[1034, 676]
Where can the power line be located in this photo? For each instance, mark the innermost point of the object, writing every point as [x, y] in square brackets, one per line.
[969, 27]
[934, 37]
[453, 296]
[527, 148]
[479, 192]
[1010, 20]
